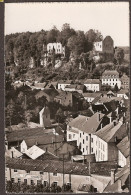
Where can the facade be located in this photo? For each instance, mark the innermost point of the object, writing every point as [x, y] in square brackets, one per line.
[82, 130]
[89, 97]
[123, 151]
[125, 82]
[123, 93]
[75, 87]
[63, 84]
[111, 78]
[57, 47]
[93, 85]
[105, 48]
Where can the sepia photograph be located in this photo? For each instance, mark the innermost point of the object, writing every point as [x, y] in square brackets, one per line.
[67, 97]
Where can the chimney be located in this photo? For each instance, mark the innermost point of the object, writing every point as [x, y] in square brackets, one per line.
[112, 176]
[114, 123]
[119, 185]
[46, 149]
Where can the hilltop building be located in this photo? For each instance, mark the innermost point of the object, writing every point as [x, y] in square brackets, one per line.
[57, 47]
[105, 49]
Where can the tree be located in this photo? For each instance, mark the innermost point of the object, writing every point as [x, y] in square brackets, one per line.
[119, 55]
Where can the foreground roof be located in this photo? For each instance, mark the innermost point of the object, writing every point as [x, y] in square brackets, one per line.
[101, 168]
[34, 152]
[92, 81]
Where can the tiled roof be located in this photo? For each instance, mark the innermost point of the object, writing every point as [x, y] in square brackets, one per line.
[109, 132]
[32, 136]
[124, 146]
[75, 86]
[110, 73]
[52, 166]
[85, 124]
[16, 153]
[62, 94]
[123, 175]
[122, 91]
[92, 81]
[110, 93]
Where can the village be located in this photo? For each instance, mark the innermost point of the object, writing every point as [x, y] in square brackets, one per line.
[82, 146]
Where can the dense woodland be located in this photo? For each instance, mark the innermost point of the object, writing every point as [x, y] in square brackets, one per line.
[20, 47]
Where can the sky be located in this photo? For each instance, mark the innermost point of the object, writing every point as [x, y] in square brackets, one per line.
[110, 18]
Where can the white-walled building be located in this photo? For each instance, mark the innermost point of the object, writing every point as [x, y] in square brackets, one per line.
[89, 97]
[111, 78]
[93, 84]
[82, 130]
[58, 48]
[123, 93]
[63, 84]
[123, 151]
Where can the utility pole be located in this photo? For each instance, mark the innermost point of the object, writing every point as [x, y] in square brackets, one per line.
[63, 174]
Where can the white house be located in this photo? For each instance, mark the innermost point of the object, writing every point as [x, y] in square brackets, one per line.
[111, 78]
[58, 48]
[123, 151]
[63, 84]
[89, 97]
[93, 84]
[123, 93]
[82, 130]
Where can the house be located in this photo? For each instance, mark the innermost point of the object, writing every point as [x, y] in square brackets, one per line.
[123, 93]
[82, 129]
[105, 141]
[38, 85]
[89, 97]
[46, 172]
[120, 181]
[105, 48]
[52, 85]
[123, 151]
[64, 98]
[110, 94]
[50, 94]
[93, 85]
[111, 78]
[57, 47]
[44, 116]
[75, 87]
[125, 81]
[63, 84]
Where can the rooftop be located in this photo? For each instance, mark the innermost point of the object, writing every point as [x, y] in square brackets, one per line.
[110, 73]
[94, 95]
[102, 168]
[34, 152]
[92, 81]
[110, 132]
[85, 124]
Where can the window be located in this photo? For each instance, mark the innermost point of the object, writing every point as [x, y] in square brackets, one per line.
[32, 182]
[69, 136]
[83, 150]
[12, 180]
[55, 184]
[86, 147]
[28, 171]
[83, 141]
[54, 174]
[39, 182]
[91, 149]
[19, 180]
[91, 139]
[15, 170]
[83, 133]
[25, 181]
[80, 134]
[86, 138]
[41, 172]
[73, 135]
[103, 148]
[45, 183]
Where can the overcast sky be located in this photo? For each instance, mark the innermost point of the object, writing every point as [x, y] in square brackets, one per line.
[110, 18]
